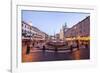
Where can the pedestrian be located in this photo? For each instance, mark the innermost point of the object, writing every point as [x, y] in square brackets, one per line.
[33, 44]
[56, 49]
[44, 48]
[77, 43]
[71, 46]
[28, 49]
[86, 45]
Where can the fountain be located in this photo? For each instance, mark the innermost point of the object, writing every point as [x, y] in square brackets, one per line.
[56, 44]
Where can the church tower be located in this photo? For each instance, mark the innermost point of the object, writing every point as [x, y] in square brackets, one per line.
[63, 31]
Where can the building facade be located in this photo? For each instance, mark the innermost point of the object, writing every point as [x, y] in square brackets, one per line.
[31, 32]
[81, 29]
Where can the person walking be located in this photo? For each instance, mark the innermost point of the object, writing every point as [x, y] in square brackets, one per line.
[44, 48]
[28, 49]
[71, 47]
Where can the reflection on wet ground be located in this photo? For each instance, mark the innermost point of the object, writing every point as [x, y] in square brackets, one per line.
[49, 55]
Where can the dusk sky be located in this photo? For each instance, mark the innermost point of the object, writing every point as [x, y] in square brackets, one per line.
[51, 22]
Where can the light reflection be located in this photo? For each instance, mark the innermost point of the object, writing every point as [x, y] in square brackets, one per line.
[29, 57]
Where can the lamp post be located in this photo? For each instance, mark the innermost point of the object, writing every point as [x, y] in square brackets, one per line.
[77, 37]
[75, 28]
[77, 53]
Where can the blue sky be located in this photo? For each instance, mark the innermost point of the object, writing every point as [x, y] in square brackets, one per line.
[51, 22]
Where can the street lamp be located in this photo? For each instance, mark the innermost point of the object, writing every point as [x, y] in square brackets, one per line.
[77, 36]
[75, 28]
